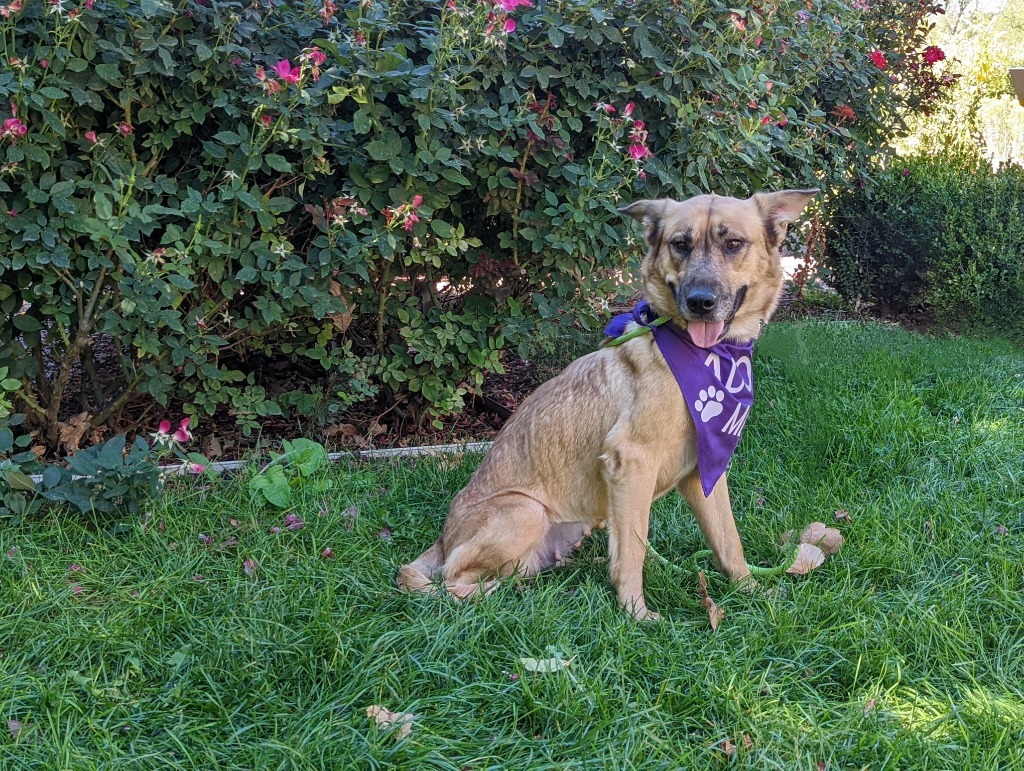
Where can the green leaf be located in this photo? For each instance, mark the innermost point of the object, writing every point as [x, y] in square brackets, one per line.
[104, 208]
[441, 228]
[277, 162]
[20, 481]
[228, 138]
[361, 122]
[379, 151]
[109, 73]
[52, 93]
[272, 486]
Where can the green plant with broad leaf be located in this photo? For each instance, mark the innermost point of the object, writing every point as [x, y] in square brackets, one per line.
[299, 467]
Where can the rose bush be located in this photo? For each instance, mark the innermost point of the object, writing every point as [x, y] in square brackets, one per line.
[388, 192]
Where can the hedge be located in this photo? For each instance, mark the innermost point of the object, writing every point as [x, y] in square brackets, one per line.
[382, 195]
[939, 234]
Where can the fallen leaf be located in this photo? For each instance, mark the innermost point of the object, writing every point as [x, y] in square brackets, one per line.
[1001, 530]
[234, 522]
[748, 743]
[250, 566]
[728, 748]
[401, 721]
[821, 765]
[327, 553]
[842, 515]
[15, 727]
[786, 538]
[715, 613]
[212, 447]
[342, 320]
[828, 539]
[556, 662]
[342, 429]
[384, 534]
[808, 557]
[71, 433]
[813, 533]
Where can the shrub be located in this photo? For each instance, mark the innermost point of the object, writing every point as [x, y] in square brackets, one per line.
[388, 191]
[943, 234]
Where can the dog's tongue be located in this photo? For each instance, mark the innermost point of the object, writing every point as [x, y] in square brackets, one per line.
[705, 333]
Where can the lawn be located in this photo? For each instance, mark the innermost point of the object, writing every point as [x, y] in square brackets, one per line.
[147, 644]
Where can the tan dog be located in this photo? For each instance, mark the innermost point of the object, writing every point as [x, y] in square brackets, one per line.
[600, 442]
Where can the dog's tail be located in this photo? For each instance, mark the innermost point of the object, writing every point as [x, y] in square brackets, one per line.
[419, 575]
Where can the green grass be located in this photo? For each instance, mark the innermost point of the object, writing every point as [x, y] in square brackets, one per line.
[905, 650]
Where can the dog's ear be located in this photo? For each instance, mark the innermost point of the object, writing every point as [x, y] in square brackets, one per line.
[650, 213]
[781, 208]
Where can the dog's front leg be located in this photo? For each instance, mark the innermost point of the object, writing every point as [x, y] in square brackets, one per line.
[631, 480]
[714, 516]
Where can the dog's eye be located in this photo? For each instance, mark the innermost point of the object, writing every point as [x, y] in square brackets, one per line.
[681, 246]
[733, 244]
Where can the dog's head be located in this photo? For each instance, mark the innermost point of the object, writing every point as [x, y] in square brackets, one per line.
[713, 265]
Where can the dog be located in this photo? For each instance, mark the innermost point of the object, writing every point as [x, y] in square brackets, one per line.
[596, 445]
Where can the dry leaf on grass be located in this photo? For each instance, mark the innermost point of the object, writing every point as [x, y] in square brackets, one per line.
[728, 748]
[15, 726]
[73, 430]
[808, 557]
[748, 743]
[786, 538]
[400, 721]
[715, 613]
[828, 539]
[842, 515]
[553, 664]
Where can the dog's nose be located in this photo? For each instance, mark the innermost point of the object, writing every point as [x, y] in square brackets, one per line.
[701, 301]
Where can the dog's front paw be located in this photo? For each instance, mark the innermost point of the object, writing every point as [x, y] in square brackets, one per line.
[646, 615]
[639, 611]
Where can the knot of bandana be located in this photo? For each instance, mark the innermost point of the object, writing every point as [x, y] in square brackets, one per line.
[641, 314]
[717, 385]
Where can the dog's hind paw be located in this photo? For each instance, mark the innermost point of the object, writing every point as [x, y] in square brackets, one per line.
[465, 591]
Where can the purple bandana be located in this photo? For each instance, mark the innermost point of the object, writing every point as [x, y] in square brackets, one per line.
[717, 385]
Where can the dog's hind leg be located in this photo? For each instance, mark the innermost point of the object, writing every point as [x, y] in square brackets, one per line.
[419, 575]
[505, 535]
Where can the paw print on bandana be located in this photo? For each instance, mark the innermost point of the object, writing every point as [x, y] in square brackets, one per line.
[709, 403]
